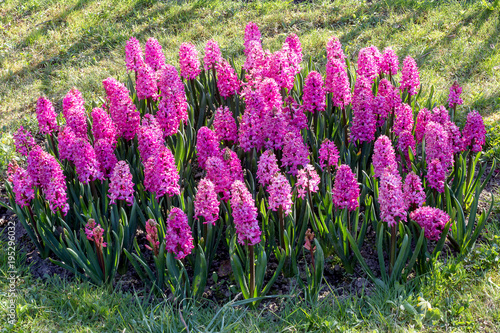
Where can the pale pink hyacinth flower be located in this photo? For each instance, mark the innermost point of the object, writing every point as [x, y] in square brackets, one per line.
[95, 233]
[307, 181]
[280, 194]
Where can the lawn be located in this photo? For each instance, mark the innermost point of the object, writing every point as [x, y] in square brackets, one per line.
[48, 47]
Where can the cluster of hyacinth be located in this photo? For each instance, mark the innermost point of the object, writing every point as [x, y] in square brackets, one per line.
[178, 238]
[432, 220]
[121, 186]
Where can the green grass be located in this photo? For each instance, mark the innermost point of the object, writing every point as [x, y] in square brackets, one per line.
[458, 296]
[47, 46]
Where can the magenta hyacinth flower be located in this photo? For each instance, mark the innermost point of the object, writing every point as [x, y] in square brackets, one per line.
[207, 145]
[403, 119]
[22, 184]
[227, 80]
[146, 84]
[206, 204]
[24, 141]
[457, 141]
[293, 42]
[474, 132]
[154, 56]
[121, 109]
[244, 214]
[410, 78]
[334, 51]
[390, 62]
[95, 233]
[149, 137]
[66, 143]
[337, 83]
[345, 191]
[218, 173]
[225, 125]
[454, 97]
[294, 114]
[178, 237]
[47, 173]
[233, 164]
[252, 33]
[432, 220]
[86, 165]
[406, 141]
[173, 105]
[74, 112]
[391, 199]
[280, 194]
[436, 175]
[384, 157]
[161, 175]
[440, 115]
[364, 123]
[295, 152]
[121, 186]
[256, 59]
[152, 236]
[314, 93]
[368, 63]
[133, 54]
[328, 155]
[105, 156]
[307, 181]
[280, 68]
[46, 116]
[437, 144]
[212, 55]
[189, 62]
[102, 126]
[423, 117]
[413, 192]
[267, 167]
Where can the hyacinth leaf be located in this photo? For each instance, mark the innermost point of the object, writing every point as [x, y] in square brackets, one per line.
[260, 268]
[360, 258]
[137, 262]
[238, 271]
[404, 251]
[439, 246]
[200, 273]
[319, 259]
[380, 249]
[275, 275]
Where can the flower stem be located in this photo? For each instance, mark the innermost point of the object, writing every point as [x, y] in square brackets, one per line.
[393, 247]
[251, 260]
[282, 227]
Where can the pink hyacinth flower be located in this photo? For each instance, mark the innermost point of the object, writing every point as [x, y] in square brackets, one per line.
[280, 194]
[244, 214]
[345, 191]
[46, 116]
[189, 62]
[121, 186]
[206, 204]
[391, 199]
[178, 237]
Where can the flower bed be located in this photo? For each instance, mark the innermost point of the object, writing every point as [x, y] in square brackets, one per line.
[277, 160]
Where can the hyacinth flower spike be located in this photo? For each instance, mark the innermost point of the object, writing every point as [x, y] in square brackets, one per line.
[95, 233]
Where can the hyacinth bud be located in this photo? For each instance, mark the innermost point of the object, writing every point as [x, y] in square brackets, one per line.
[22, 184]
[212, 55]
[413, 192]
[309, 239]
[227, 80]
[307, 181]
[133, 54]
[46, 116]
[345, 191]
[390, 63]
[474, 132]
[178, 237]
[154, 54]
[189, 62]
[432, 220]
[207, 145]
[295, 152]
[392, 204]
[95, 233]
[328, 155]
[280, 194]
[152, 236]
[454, 97]
[384, 157]
[121, 186]
[206, 204]
[314, 93]
[410, 78]
[160, 174]
[24, 141]
[244, 214]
